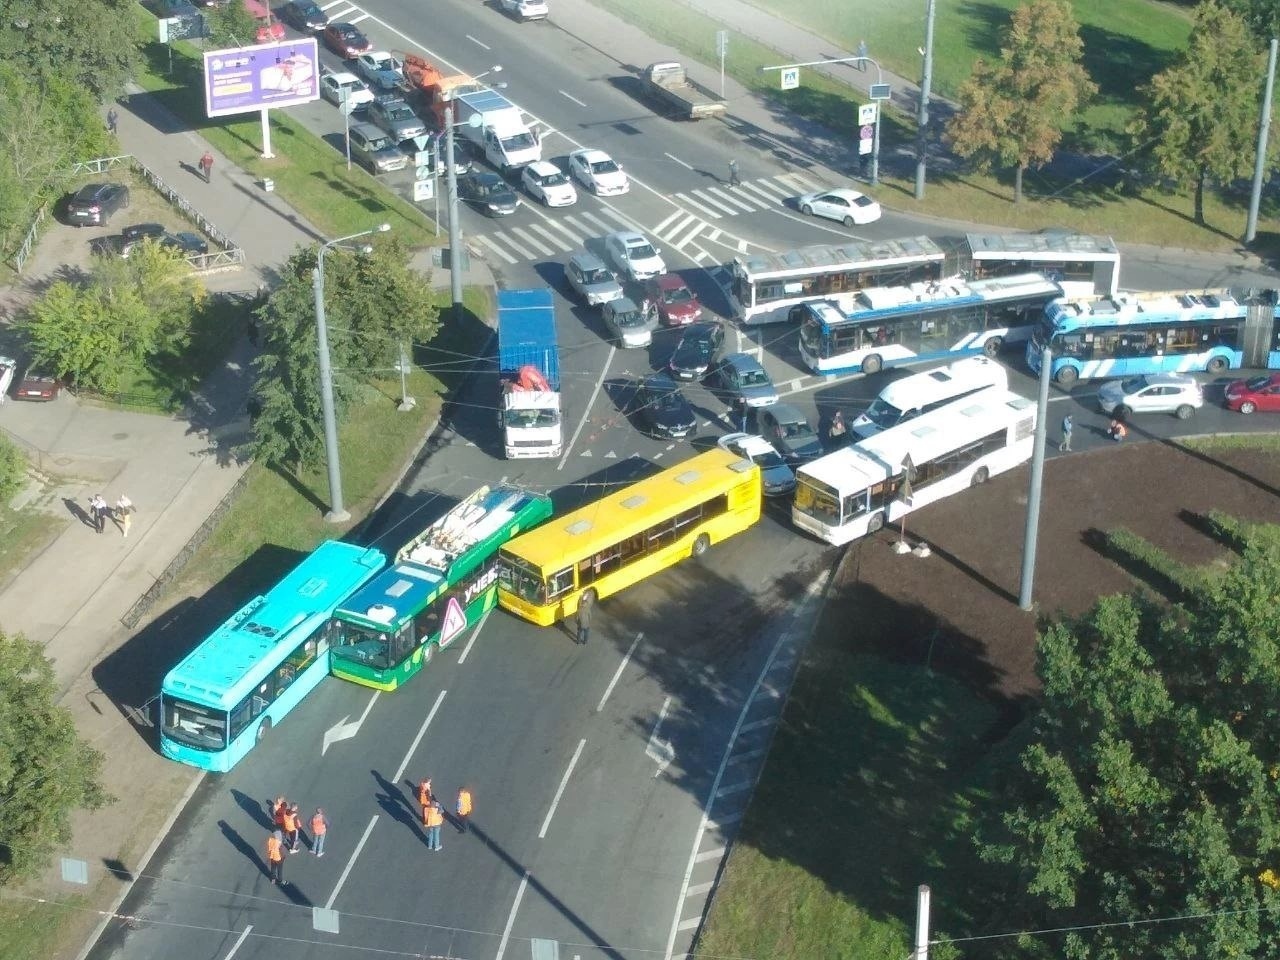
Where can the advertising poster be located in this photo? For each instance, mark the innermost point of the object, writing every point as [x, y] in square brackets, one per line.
[246, 79]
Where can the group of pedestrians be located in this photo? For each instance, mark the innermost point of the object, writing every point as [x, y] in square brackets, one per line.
[100, 512]
[433, 812]
[1117, 431]
[287, 837]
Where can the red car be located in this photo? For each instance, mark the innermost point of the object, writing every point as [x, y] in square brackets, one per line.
[36, 384]
[1260, 393]
[346, 41]
[674, 300]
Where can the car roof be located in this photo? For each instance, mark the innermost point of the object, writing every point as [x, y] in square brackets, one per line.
[344, 28]
[591, 154]
[751, 443]
[586, 260]
[846, 192]
[621, 305]
[742, 361]
[342, 76]
[1168, 379]
[485, 176]
[785, 413]
[699, 328]
[543, 168]
[93, 189]
[368, 130]
[660, 380]
[628, 236]
[668, 281]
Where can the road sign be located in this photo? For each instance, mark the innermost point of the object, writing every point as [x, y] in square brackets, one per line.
[455, 621]
[864, 140]
[722, 42]
[421, 141]
[867, 113]
[879, 91]
[425, 168]
[790, 78]
[424, 190]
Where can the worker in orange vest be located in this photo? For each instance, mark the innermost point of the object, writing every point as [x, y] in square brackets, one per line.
[434, 820]
[291, 827]
[275, 857]
[319, 830]
[424, 797]
[463, 809]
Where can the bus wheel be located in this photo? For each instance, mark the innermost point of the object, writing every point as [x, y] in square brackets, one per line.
[1185, 412]
[1065, 377]
[872, 364]
[1248, 407]
[263, 729]
[1216, 364]
[875, 523]
[980, 476]
[701, 544]
[993, 347]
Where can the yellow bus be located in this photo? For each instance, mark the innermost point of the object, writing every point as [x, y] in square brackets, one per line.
[627, 535]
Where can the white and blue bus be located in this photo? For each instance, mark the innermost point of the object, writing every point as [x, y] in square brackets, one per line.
[1130, 334]
[1082, 265]
[889, 326]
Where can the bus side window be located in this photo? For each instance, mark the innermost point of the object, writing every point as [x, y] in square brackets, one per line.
[285, 675]
[559, 582]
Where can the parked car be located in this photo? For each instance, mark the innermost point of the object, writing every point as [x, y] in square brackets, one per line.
[8, 369]
[38, 384]
[591, 279]
[634, 256]
[96, 203]
[397, 118]
[525, 9]
[696, 352]
[345, 40]
[662, 409]
[339, 88]
[489, 193]
[1258, 393]
[186, 242]
[742, 378]
[548, 184]
[304, 15]
[628, 323]
[673, 299]
[787, 429]
[847, 206]
[374, 149]
[1153, 393]
[777, 475]
[380, 70]
[598, 172]
[135, 233]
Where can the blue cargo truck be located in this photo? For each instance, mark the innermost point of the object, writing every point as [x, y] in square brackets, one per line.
[529, 374]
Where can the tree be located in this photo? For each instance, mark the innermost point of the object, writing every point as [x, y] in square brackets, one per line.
[1150, 789]
[89, 44]
[1012, 112]
[1262, 16]
[1202, 113]
[46, 770]
[229, 25]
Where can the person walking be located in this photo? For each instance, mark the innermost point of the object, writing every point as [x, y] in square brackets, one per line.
[206, 166]
[1067, 426]
[734, 179]
[275, 857]
[279, 807]
[435, 819]
[463, 809]
[836, 432]
[1117, 431]
[862, 55]
[98, 507]
[291, 827]
[319, 830]
[424, 797]
[124, 513]
[586, 606]
[113, 120]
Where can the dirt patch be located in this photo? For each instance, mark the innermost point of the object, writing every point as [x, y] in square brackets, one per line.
[957, 610]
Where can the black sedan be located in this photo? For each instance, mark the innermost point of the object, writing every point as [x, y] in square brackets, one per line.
[489, 193]
[304, 15]
[662, 409]
[696, 351]
[94, 204]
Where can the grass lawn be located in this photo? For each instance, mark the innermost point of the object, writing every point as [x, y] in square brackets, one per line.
[309, 174]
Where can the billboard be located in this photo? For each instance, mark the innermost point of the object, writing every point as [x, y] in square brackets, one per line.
[246, 79]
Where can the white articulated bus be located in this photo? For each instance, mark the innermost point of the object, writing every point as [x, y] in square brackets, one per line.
[929, 390]
[857, 490]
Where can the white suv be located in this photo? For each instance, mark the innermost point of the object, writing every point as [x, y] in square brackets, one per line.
[1153, 393]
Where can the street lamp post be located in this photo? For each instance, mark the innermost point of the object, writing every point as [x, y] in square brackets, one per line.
[337, 512]
[455, 224]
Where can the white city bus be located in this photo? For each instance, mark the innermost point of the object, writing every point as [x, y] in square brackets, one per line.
[1082, 265]
[857, 490]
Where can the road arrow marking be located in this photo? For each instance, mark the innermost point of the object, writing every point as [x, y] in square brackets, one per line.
[660, 751]
[345, 731]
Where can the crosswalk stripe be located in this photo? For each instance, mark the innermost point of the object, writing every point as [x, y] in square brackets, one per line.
[496, 249]
[697, 228]
[726, 195]
[533, 241]
[771, 186]
[702, 195]
[759, 195]
[596, 222]
[583, 232]
[341, 15]
[805, 186]
[329, 6]
[626, 221]
[557, 243]
[701, 207]
[513, 243]
[658, 229]
[667, 235]
[355, 20]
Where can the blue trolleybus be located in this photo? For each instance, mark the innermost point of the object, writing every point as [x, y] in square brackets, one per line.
[1131, 334]
[229, 692]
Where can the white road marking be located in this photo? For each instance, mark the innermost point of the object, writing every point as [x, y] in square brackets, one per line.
[352, 862]
[596, 222]
[658, 229]
[474, 634]
[701, 255]
[495, 248]
[555, 802]
[771, 187]
[701, 888]
[532, 241]
[569, 96]
[803, 185]
[478, 43]
[582, 231]
[742, 246]
[690, 923]
[522, 252]
[684, 222]
[557, 242]
[329, 6]
[714, 235]
[700, 207]
[244, 934]
[404, 764]
[687, 166]
[658, 750]
[618, 673]
[616, 214]
[362, 17]
[604, 371]
[705, 198]
[731, 198]
[511, 917]
[713, 854]
[760, 196]
[734, 788]
[697, 228]
[345, 731]
[744, 757]
[341, 15]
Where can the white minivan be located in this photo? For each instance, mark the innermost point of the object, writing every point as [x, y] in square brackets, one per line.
[919, 393]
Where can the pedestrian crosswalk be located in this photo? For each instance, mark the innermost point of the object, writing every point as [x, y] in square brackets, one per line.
[693, 219]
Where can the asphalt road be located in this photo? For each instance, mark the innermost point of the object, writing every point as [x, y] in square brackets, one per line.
[591, 767]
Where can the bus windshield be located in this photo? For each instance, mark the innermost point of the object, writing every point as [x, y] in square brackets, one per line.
[193, 724]
[521, 578]
[882, 413]
[818, 501]
[371, 648]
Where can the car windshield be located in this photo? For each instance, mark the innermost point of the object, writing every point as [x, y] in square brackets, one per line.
[640, 251]
[767, 459]
[863, 201]
[795, 430]
[698, 348]
[553, 179]
[596, 275]
[401, 113]
[604, 166]
[1258, 383]
[753, 378]
[664, 398]
[629, 318]
[1133, 385]
[677, 295]
[521, 141]
[883, 414]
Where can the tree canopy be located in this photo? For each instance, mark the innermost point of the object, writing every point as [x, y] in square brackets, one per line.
[46, 771]
[1201, 118]
[89, 44]
[1152, 787]
[1012, 112]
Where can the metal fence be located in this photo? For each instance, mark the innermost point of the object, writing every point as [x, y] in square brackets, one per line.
[29, 241]
[101, 165]
[178, 200]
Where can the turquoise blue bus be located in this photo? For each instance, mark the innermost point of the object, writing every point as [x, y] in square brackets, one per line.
[229, 692]
[1131, 334]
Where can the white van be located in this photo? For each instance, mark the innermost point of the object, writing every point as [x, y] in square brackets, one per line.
[919, 393]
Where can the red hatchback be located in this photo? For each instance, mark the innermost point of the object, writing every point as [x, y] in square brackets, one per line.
[674, 300]
[1260, 393]
[346, 41]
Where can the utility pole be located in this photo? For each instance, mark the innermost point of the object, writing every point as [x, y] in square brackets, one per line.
[921, 951]
[926, 80]
[1031, 535]
[1260, 161]
[456, 256]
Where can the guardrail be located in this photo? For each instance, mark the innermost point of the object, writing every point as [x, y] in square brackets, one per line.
[101, 165]
[178, 200]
